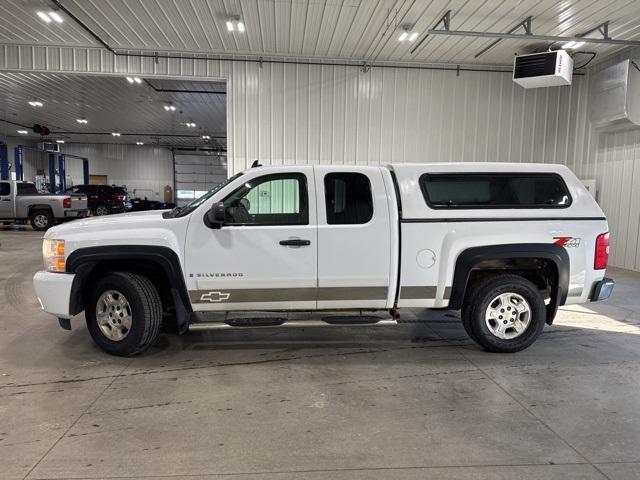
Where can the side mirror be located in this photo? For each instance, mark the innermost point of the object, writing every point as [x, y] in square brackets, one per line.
[215, 216]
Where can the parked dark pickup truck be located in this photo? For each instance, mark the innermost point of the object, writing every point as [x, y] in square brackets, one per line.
[104, 199]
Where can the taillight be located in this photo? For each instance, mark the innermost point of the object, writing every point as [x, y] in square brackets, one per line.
[66, 203]
[120, 198]
[602, 252]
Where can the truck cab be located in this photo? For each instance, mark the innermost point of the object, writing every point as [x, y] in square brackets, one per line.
[506, 244]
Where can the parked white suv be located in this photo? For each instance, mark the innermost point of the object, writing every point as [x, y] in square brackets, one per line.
[505, 243]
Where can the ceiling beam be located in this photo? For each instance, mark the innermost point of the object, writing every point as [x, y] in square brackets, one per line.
[545, 38]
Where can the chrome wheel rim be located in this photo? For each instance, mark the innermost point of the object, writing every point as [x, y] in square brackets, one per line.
[101, 210]
[508, 316]
[40, 221]
[113, 314]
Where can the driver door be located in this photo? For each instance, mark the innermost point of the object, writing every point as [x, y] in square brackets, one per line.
[264, 257]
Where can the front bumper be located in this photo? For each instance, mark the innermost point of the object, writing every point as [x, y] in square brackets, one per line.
[602, 290]
[54, 292]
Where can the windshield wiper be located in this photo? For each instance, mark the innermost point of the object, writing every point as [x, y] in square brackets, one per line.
[173, 213]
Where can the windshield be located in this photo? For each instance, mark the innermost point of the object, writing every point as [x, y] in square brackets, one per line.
[191, 206]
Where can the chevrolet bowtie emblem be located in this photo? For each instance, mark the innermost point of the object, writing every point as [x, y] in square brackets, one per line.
[214, 297]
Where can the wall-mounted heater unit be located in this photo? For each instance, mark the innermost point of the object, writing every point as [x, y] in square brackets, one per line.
[548, 69]
[50, 147]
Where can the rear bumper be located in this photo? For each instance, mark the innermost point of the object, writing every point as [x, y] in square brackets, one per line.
[54, 292]
[76, 213]
[602, 290]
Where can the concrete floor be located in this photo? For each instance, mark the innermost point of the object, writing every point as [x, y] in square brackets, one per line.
[414, 401]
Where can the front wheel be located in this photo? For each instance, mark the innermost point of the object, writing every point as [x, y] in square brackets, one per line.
[505, 314]
[123, 313]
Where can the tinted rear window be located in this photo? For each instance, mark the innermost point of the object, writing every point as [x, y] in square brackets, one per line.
[495, 190]
[26, 189]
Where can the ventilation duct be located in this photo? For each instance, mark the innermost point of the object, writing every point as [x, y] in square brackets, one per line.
[615, 97]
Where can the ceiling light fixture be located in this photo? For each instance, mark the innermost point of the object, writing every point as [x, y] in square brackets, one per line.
[59, 141]
[130, 79]
[408, 34]
[234, 24]
[115, 134]
[137, 80]
[572, 45]
[83, 121]
[139, 143]
[190, 125]
[36, 103]
[44, 17]
[170, 108]
[48, 17]
[23, 132]
[206, 137]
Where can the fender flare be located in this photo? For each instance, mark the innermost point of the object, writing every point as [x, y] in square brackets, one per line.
[83, 260]
[469, 258]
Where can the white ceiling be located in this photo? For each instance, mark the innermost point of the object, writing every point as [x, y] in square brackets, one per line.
[112, 104]
[336, 29]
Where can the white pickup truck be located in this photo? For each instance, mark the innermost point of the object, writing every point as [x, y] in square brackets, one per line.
[505, 243]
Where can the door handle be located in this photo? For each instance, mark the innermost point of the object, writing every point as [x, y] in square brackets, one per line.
[295, 242]
[6, 199]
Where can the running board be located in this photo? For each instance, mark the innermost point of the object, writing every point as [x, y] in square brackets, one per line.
[284, 323]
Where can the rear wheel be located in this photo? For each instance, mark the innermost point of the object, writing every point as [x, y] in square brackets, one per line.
[504, 314]
[123, 313]
[102, 210]
[41, 220]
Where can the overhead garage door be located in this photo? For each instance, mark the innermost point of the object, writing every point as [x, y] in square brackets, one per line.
[195, 173]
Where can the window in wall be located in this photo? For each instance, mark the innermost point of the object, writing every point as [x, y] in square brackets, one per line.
[185, 194]
[348, 198]
[279, 199]
[5, 189]
[495, 190]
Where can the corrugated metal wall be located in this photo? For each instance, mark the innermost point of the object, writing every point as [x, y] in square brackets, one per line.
[145, 170]
[281, 113]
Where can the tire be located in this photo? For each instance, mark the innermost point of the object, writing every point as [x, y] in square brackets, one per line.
[141, 317]
[499, 308]
[41, 220]
[102, 209]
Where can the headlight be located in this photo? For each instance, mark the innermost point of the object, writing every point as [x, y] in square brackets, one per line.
[53, 255]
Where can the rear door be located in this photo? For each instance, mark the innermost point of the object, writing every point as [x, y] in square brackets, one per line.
[354, 238]
[265, 255]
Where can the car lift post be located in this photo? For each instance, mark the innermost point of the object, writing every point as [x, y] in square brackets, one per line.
[4, 162]
[52, 173]
[17, 164]
[62, 173]
[85, 170]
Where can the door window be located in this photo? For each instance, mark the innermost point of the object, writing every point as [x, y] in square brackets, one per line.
[279, 199]
[348, 198]
[26, 189]
[5, 189]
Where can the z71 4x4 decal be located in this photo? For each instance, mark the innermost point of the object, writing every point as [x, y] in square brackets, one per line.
[567, 242]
